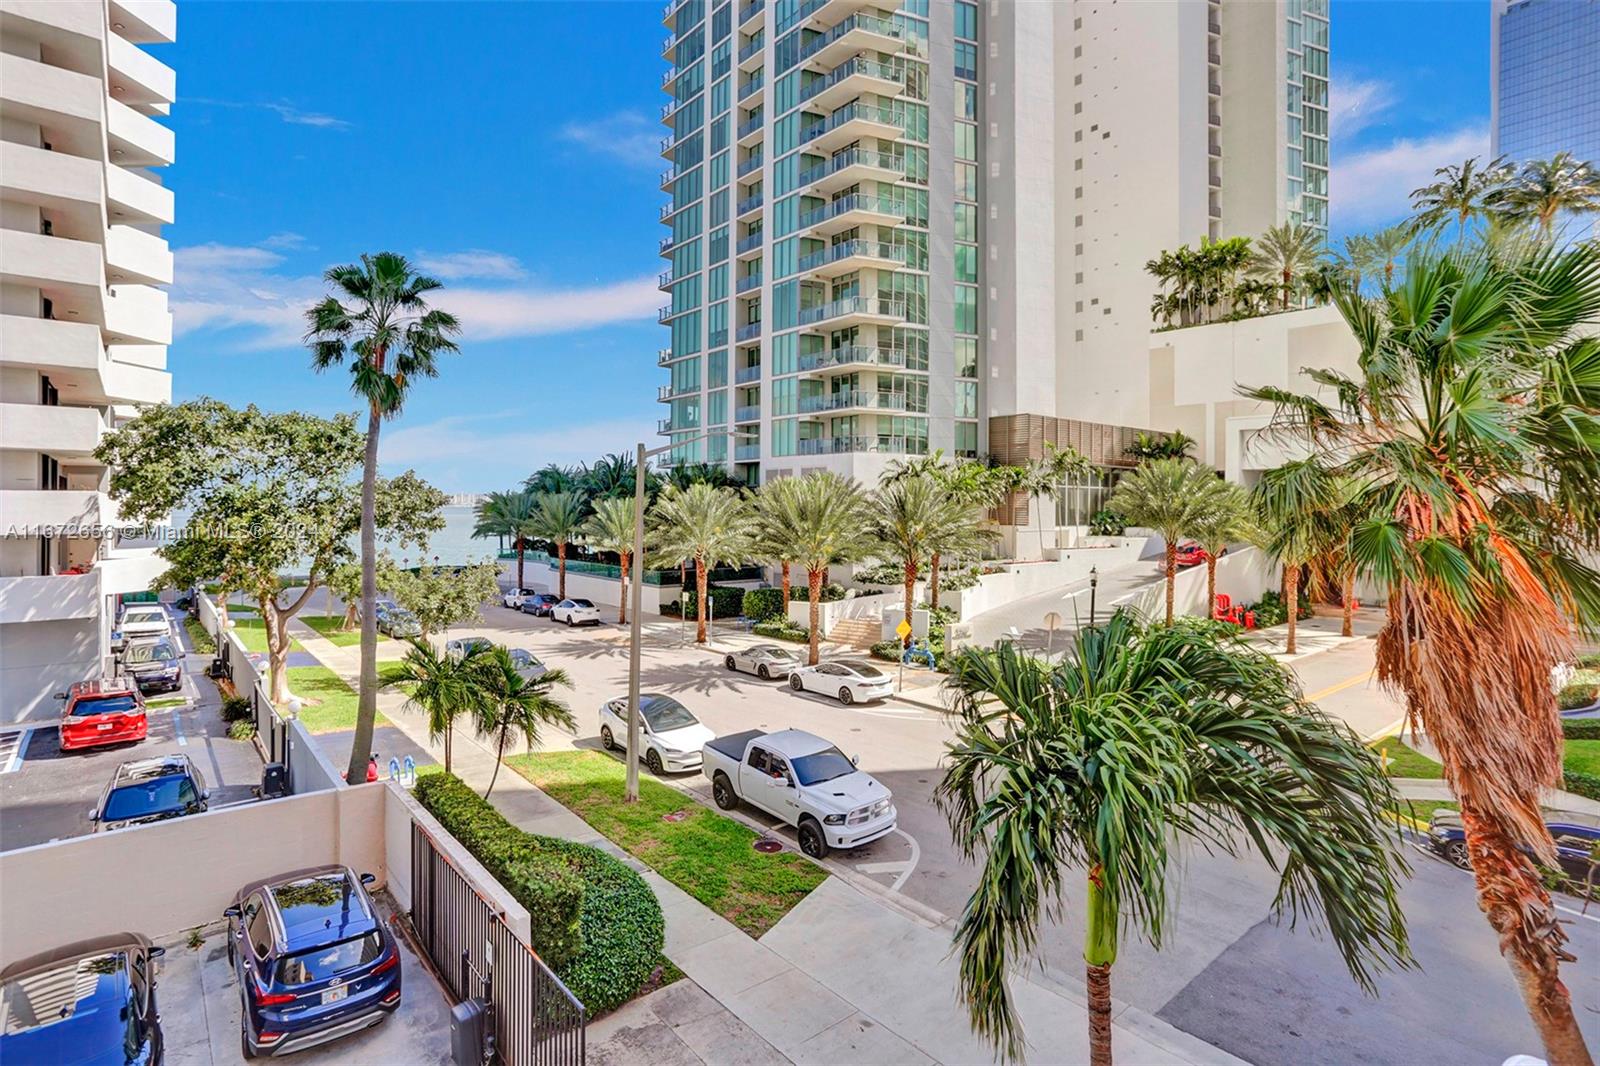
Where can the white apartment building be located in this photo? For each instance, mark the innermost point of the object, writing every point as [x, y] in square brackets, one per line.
[84, 327]
[895, 229]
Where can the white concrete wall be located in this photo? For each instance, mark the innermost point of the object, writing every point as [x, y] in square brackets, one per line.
[605, 591]
[862, 605]
[39, 659]
[1243, 575]
[1031, 579]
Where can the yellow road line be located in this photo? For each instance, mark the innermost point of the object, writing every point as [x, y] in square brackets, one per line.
[1341, 686]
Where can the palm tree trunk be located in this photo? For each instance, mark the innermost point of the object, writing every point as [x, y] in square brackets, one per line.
[449, 736]
[785, 568]
[1211, 584]
[700, 600]
[933, 581]
[1099, 986]
[911, 584]
[622, 608]
[1172, 578]
[1099, 953]
[561, 560]
[1287, 277]
[1291, 599]
[367, 691]
[814, 588]
[499, 753]
[1519, 908]
[1347, 597]
[522, 550]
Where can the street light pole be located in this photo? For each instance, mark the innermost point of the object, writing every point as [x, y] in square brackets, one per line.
[635, 601]
[1094, 579]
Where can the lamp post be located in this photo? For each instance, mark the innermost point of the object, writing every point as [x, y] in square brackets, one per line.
[1094, 579]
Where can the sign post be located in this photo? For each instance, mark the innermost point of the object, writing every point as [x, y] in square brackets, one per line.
[1051, 621]
[904, 631]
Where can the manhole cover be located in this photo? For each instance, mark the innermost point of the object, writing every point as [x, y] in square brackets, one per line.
[674, 816]
[767, 847]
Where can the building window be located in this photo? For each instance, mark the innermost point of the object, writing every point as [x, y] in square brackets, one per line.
[966, 61]
[966, 440]
[966, 349]
[966, 399]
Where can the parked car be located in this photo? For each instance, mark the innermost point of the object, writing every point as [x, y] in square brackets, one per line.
[670, 736]
[102, 712]
[395, 620]
[93, 1001]
[528, 664]
[155, 665]
[539, 604]
[151, 790]
[1575, 844]
[513, 597]
[460, 649]
[141, 621]
[766, 661]
[805, 781]
[1192, 554]
[313, 959]
[848, 680]
[576, 613]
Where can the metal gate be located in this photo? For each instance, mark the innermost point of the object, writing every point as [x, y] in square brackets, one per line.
[537, 1022]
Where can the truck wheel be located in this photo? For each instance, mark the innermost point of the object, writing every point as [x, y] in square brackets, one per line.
[722, 792]
[1456, 852]
[845, 697]
[729, 663]
[812, 842]
[652, 759]
[605, 738]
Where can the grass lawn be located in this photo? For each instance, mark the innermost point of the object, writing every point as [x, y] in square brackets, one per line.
[166, 701]
[328, 626]
[707, 855]
[1583, 756]
[1404, 762]
[252, 632]
[335, 701]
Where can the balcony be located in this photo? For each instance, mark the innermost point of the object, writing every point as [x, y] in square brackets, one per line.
[31, 511]
[749, 205]
[667, 314]
[63, 101]
[672, 174]
[61, 183]
[78, 363]
[51, 598]
[65, 432]
[851, 123]
[848, 256]
[664, 425]
[847, 212]
[670, 242]
[851, 168]
[850, 79]
[137, 314]
[72, 271]
[853, 311]
[750, 129]
[138, 78]
[853, 400]
[749, 244]
[136, 140]
[137, 257]
[125, 570]
[842, 445]
[751, 164]
[748, 332]
[747, 453]
[750, 11]
[851, 357]
[752, 50]
[133, 196]
[748, 413]
[748, 283]
[858, 33]
[671, 208]
[745, 374]
[751, 87]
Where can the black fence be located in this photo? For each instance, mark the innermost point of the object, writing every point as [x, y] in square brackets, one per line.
[537, 1022]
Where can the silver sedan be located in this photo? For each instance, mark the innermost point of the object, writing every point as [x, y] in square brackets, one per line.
[766, 661]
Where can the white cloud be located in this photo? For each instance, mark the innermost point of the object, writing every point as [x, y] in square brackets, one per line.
[286, 241]
[1374, 187]
[1355, 104]
[490, 314]
[506, 434]
[474, 263]
[627, 136]
[287, 112]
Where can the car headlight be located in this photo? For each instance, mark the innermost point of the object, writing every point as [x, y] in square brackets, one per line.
[833, 819]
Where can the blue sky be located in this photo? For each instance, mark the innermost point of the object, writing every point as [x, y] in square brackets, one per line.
[511, 149]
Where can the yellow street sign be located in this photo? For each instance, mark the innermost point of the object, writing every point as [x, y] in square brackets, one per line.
[904, 629]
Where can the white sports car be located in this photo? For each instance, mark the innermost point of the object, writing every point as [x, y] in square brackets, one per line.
[513, 597]
[670, 737]
[766, 661]
[576, 613]
[847, 680]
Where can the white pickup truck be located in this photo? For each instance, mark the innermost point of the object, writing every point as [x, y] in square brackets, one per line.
[804, 780]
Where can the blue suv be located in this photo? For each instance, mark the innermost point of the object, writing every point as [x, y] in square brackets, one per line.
[313, 960]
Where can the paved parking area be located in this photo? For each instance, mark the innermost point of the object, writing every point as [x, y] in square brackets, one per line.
[200, 1015]
[48, 793]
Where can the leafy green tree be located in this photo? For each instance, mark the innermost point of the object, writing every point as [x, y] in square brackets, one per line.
[611, 529]
[707, 524]
[507, 704]
[826, 520]
[558, 518]
[1459, 193]
[1230, 519]
[345, 582]
[507, 514]
[1472, 427]
[1286, 252]
[443, 687]
[1175, 498]
[1547, 188]
[443, 596]
[1140, 737]
[390, 337]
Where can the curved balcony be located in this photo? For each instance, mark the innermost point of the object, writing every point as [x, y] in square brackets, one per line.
[851, 357]
[848, 256]
[841, 445]
[851, 123]
[850, 79]
[854, 401]
[848, 212]
[853, 311]
[851, 168]
[857, 33]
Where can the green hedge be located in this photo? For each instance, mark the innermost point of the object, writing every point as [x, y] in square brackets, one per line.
[828, 592]
[726, 602]
[762, 604]
[1581, 729]
[592, 919]
[782, 629]
[1578, 694]
[1581, 783]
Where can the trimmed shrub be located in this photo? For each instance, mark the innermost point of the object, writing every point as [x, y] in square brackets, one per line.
[886, 574]
[782, 629]
[726, 602]
[887, 650]
[1578, 694]
[1106, 523]
[1272, 611]
[800, 591]
[1581, 783]
[762, 604]
[241, 729]
[1581, 729]
[236, 708]
[592, 918]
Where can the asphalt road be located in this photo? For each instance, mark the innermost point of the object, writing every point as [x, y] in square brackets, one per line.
[50, 792]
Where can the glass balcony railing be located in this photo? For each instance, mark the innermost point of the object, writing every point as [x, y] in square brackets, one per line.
[748, 282]
[853, 305]
[856, 201]
[751, 125]
[747, 332]
[751, 85]
[853, 157]
[749, 243]
[752, 164]
[853, 354]
[837, 445]
[848, 398]
[849, 69]
[748, 413]
[751, 10]
[746, 374]
[870, 23]
[752, 48]
[849, 250]
[750, 203]
[747, 453]
[884, 116]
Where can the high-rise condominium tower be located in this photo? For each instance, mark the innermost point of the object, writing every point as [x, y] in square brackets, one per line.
[83, 328]
[1544, 96]
[899, 230]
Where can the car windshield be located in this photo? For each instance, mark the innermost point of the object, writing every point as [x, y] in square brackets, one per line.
[863, 669]
[105, 705]
[521, 658]
[143, 617]
[158, 652]
[824, 765]
[664, 712]
[77, 1011]
[582, 603]
[149, 797]
[331, 960]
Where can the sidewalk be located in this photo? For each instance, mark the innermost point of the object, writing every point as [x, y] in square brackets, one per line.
[842, 978]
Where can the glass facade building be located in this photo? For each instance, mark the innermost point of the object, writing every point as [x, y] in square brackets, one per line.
[1545, 81]
[1306, 192]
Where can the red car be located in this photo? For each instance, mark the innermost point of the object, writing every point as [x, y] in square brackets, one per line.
[1192, 554]
[102, 712]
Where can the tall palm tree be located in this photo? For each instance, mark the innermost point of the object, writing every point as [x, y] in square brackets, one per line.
[555, 478]
[1173, 497]
[1546, 188]
[610, 529]
[1388, 246]
[1042, 479]
[443, 687]
[907, 516]
[1293, 503]
[1228, 520]
[1284, 253]
[1458, 193]
[506, 514]
[772, 510]
[390, 337]
[1139, 737]
[557, 517]
[510, 704]
[707, 524]
[1473, 426]
[1358, 259]
[827, 518]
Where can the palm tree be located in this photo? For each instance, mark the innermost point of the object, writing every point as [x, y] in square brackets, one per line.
[391, 337]
[1173, 497]
[1471, 427]
[1285, 252]
[827, 518]
[1387, 247]
[1459, 193]
[557, 517]
[772, 510]
[1293, 502]
[1228, 520]
[1139, 737]
[443, 687]
[507, 514]
[510, 703]
[1042, 478]
[907, 516]
[1546, 188]
[714, 474]
[610, 529]
[611, 475]
[554, 478]
[707, 524]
